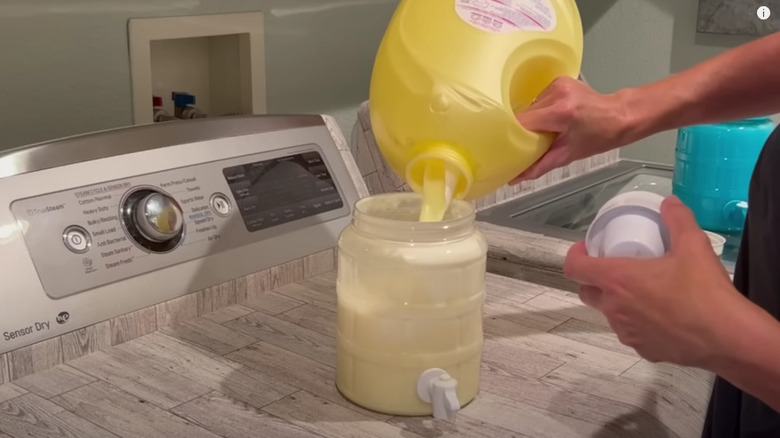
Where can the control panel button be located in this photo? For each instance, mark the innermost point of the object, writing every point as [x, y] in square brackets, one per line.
[77, 239]
[153, 219]
[220, 204]
[159, 217]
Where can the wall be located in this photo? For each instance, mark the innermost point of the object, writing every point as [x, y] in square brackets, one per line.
[64, 66]
[634, 42]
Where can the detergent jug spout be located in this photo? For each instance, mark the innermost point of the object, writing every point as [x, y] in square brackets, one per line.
[440, 174]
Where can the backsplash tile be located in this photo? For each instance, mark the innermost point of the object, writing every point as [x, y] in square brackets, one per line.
[34, 358]
[133, 325]
[287, 273]
[318, 263]
[4, 369]
[85, 341]
[177, 310]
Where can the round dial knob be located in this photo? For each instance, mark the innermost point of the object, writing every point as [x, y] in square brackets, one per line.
[153, 220]
[158, 217]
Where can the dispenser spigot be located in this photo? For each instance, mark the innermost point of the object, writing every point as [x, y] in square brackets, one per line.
[437, 387]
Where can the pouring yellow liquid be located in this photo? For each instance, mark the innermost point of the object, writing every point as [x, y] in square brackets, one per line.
[438, 190]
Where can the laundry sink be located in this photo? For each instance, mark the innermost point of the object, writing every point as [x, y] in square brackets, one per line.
[565, 211]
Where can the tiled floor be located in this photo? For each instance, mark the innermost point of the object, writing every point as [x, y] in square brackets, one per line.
[551, 368]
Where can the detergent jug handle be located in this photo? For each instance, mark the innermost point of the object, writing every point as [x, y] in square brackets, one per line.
[735, 212]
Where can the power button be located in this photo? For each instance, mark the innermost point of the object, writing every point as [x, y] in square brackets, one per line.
[77, 239]
[220, 204]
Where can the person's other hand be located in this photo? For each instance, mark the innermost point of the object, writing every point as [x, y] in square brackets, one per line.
[669, 308]
[585, 123]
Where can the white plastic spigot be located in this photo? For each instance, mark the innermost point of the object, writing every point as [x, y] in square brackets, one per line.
[437, 387]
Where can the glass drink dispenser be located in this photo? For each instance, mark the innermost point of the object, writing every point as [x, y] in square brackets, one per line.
[410, 307]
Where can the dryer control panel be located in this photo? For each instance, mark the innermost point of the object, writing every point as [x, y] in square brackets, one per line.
[86, 237]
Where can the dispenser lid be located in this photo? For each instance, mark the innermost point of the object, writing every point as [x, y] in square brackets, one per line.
[635, 208]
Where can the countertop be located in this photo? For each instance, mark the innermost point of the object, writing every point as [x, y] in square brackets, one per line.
[528, 256]
[539, 259]
[551, 368]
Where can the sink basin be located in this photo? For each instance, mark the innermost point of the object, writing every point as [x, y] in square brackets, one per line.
[565, 211]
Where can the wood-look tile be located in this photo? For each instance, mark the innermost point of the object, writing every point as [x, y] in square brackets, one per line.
[125, 415]
[9, 391]
[286, 273]
[529, 420]
[54, 381]
[86, 340]
[387, 175]
[177, 310]
[314, 318]
[331, 420]
[217, 297]
[531, 317]
[291, 337]
[682, 412]
[209, 335]
[363, 157]
[552, 278]
[557, 348]
[592, 334]
[34, 358]
[517, 359]
[254, 285]
[234, 419]
[163, 388]
[298, 371]
[314, 291]
[460, 427]
[228, 313]
[272, 303]
[688, 384]
[4, 369]
[507, 300]
[318, 263]
[569, 304]
[161, 352]
[510, 291]
[373, 183]
[132, 325]
[32, 416]
[560, 399]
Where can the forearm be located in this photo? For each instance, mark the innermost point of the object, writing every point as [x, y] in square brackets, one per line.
[741, 83]
[748, 353]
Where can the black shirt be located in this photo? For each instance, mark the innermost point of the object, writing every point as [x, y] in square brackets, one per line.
[733, 413]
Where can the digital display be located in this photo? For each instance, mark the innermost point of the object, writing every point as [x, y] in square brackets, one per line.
[281, 190]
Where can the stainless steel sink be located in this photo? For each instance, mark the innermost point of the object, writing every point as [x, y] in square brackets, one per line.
[566, 210]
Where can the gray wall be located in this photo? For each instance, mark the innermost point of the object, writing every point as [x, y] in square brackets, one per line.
[634, 42]
[64, 66]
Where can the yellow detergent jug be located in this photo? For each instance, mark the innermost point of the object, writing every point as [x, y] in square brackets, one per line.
[450, 77]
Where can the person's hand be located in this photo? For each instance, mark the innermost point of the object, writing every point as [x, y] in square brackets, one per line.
[585, 123]
[670, 308]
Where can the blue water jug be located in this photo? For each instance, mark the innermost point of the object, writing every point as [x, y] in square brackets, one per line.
[713, 168]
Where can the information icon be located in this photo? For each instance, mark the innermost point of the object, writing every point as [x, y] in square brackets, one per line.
[763, 13]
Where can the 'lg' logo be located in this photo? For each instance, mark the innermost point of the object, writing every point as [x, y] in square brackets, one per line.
[63, 317]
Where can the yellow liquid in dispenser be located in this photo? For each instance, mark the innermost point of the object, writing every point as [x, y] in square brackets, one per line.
[448, 82]
[408, 303]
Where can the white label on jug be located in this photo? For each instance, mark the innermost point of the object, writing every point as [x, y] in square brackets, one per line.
[505, 16]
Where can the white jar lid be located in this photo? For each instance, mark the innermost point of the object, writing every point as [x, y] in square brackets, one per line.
[629, 225]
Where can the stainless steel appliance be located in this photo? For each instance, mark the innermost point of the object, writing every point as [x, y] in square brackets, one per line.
[99, 225]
